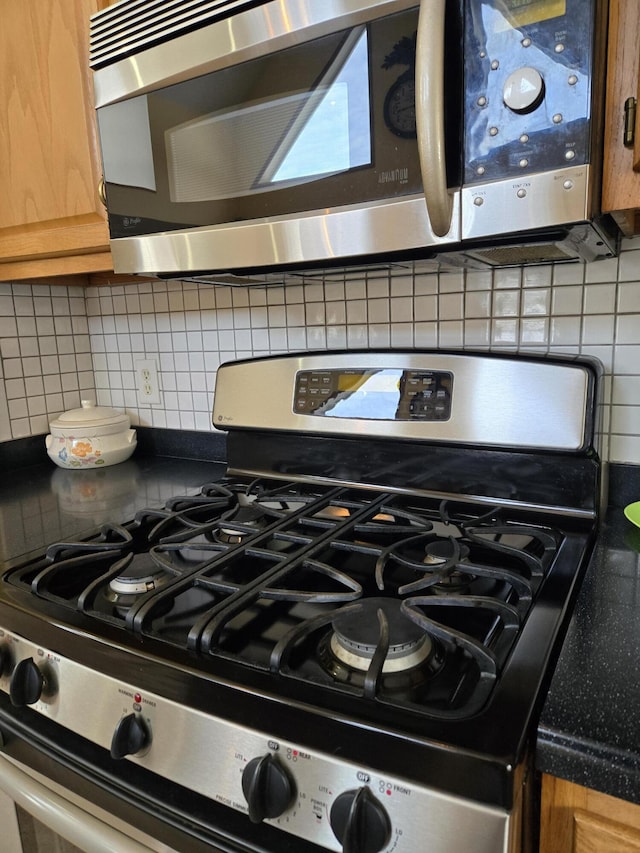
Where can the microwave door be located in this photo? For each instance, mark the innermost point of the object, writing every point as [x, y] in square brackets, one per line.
[289, 159]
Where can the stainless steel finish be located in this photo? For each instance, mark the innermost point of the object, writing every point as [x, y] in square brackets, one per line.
[442, 222]
[11, 840]
[495, 401]
[430, 67]
[134, 25]
[82, 823]
[252, 33]
[534, 201]
[207, 754]
[316, 236]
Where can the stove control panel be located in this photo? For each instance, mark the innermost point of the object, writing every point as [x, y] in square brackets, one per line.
[374, 394]
[331, 802]
[454, 398]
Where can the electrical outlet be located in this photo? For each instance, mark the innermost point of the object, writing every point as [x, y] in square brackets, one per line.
[147, 378]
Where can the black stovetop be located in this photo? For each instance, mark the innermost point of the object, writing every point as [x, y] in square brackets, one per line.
[333, 595]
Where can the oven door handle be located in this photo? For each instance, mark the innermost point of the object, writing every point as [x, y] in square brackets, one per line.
[62, 816]
[430, 114]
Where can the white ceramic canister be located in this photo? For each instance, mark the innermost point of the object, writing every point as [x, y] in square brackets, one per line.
[90, 437]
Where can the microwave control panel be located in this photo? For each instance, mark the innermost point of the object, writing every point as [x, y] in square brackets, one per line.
[530, 66]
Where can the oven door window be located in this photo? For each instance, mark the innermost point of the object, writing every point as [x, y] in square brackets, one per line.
[326, 123]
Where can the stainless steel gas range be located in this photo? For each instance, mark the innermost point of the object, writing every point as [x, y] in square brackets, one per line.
[344, 643]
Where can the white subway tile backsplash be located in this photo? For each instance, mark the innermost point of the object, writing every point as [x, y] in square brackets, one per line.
[629, 297]
[599, 298]
[566, 300]
[425, 308]
[507, 278]
[536, 301]
[534, 331]
[626, 390]
[402, 309]
[568, 274]
[477, 333]
[629, 266]
[624, 448]
[625, 420]
[450, 306]
[506, 303]
[627, 359]
[59, 344]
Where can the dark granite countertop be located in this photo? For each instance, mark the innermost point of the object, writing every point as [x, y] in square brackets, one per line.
[41, 503]
[589, 731]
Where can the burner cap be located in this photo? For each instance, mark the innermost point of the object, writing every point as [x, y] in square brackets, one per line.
[441, 551]
[356, 635]
[137, 580]
[246, 514]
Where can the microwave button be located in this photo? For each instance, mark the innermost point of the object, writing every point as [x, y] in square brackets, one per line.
[495, 64]
[493, 131]
[523, 90]
[559, 48]
[482, 101]
[524, 138]
[523, 163]
[557, 119]
[526, 42]
[573, 79]
[480, 170]
[521, 193]
[570, 154]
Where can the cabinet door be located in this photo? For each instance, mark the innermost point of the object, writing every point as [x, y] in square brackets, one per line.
[578, 820]
[621, 171]
[51, 217]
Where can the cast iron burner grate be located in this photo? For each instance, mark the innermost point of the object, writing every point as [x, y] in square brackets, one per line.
[273, 577]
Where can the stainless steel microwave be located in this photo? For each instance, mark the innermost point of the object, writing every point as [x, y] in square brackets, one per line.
[264, 135]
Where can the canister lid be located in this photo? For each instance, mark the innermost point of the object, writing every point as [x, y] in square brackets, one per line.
[99, 420]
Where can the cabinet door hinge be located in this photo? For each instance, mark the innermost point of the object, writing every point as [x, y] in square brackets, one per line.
[630, 121]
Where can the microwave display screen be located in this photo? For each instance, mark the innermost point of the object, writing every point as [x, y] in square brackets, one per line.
[523, 12]
[386, 394]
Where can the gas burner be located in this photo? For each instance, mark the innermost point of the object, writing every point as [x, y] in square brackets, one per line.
[242, 520]
[439, 552]
[447, 554]
[348, 652]
[135, 580]
[356, 636]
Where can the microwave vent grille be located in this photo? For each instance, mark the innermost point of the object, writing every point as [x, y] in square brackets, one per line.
[131, 26]
[537, 253]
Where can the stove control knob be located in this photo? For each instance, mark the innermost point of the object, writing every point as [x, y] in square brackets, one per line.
[268, 788]
[131, 735]
[360, 822]
[27, 683]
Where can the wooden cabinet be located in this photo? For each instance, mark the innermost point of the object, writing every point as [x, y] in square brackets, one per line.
[578, 820]
[51, 219]
[621, 170]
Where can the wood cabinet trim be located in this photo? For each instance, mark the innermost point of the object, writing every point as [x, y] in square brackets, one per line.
[574, 819]
[620, 183]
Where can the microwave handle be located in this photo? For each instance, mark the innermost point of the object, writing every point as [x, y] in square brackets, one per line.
[430, 114]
